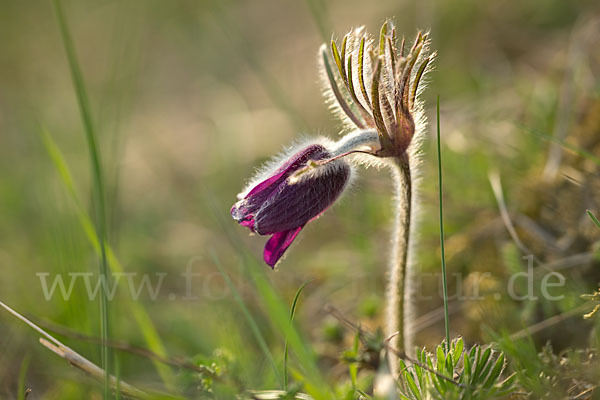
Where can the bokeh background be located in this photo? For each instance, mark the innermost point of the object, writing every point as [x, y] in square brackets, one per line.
[190, 97]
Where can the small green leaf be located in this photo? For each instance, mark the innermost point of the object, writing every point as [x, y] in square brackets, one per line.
[506, 386]
[467, 367]
[498, 368]
[475, 363]
[403, 367]
[441, 359]
[353, 369]
[410, 380]
[458, 349]
[438, 382]
[449, 365]
[419, 373]
[593, 217]
[486, 370]
[481, 364]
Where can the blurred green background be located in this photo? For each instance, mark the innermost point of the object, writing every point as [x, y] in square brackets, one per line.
[189, 97]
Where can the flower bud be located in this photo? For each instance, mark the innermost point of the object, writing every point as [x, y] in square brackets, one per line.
[296, 192]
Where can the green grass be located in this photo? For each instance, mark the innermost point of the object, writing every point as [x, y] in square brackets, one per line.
[99, 190]
[22, 373]
[593, 218]
[140, 315]
[444, 276]
[285, 348]
[253, 325]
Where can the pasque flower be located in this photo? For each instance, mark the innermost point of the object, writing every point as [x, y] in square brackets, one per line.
[374, 87]
[287, 196]
[375, 91]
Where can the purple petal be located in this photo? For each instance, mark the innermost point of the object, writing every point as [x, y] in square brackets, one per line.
[298, 203]
[278, 244]
[265, 189]
[248, 222]
[278, 207]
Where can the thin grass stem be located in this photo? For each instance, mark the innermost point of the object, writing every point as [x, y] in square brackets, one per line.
[285, 348]
[444, 279]
[99, 196]
[22, 390]
[593, 218]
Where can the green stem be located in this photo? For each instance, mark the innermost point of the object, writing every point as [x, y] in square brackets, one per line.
[444, 280]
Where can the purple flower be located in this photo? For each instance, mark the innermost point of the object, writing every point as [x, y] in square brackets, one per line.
[292, 195]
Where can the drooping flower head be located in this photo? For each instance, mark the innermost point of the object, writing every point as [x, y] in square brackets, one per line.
[377, 87]
[289, 195]
[375, 91]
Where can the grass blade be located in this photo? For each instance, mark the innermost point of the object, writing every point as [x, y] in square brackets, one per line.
[22, 390]
[278, 312]
[277, 309]
[444, 279]
[139, 314]
[593, 217]
[253, 325]
[285, 348]
[94, 153]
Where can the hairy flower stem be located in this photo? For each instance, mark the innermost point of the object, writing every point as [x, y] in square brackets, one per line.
[400, 305]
